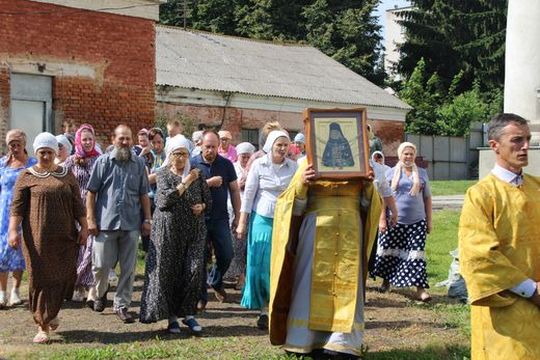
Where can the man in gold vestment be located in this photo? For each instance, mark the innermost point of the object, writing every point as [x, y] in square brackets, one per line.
[499, 249]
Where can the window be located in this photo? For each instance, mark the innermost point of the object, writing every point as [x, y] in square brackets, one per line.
[250, 135]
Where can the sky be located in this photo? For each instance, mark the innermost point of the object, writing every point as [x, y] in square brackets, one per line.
[385, 5]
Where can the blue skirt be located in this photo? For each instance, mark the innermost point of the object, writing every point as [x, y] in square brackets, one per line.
[256, 293]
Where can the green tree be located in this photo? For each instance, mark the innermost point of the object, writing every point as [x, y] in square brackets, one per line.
[347, 31]
[454, 36]
[425, 94]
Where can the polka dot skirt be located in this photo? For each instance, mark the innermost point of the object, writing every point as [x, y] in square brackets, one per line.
[401, 255]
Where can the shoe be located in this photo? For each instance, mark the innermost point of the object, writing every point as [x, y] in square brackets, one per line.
[201, 306]
[54, 324]
[78, 296]
[174, 328]
[221, 295]
[42, 337]
[193, 325]
[14, 298]
[423, 296]
[385, 287]
[99, 305]
[124, 316]
[335, 355]
[3, 302]
[262, 322]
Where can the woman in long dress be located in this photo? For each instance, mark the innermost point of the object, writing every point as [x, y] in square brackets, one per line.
[81, 164]
[323, 234]
[401, 259]
[175, 261]
[47, 203]
[11, 260]
[267, 178]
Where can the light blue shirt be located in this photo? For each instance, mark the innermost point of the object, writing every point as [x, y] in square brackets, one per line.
[118, 186]
[411, 209]
[264, 183]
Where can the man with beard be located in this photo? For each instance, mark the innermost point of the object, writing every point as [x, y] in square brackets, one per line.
[117, 189]
[222, 180]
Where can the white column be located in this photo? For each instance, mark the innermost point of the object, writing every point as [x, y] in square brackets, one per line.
[522, 66]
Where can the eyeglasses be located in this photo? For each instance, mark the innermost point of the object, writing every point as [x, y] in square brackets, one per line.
[180, 154]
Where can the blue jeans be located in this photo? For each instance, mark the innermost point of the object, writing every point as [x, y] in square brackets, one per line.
[219, 234]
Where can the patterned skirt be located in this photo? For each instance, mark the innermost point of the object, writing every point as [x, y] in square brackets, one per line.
[401, 257]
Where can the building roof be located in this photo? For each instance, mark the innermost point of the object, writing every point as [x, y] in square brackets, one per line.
[206, 61]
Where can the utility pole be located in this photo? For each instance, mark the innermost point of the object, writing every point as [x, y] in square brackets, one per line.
[185, 3]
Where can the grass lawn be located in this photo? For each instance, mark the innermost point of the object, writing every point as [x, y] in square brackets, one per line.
[435, 346]
[450, 187]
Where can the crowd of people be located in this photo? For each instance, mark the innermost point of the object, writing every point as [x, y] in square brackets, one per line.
[205, 212]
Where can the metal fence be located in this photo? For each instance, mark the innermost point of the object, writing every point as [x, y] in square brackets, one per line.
[450, 157]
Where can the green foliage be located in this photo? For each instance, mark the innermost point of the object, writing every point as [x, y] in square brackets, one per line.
[456, 36]
[441, 111]
[344, 30]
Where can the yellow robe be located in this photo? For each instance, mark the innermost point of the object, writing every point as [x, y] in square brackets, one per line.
[332, 302]
[499, 247]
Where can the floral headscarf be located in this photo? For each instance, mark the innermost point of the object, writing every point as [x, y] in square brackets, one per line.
[79, 150]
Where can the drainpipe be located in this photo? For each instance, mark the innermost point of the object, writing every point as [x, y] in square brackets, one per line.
[227, 97]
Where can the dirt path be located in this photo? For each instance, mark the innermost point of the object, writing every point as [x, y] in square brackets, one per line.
[393, 321]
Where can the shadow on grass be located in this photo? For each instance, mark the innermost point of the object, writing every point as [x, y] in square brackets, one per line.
[453, 352]
[115, 337]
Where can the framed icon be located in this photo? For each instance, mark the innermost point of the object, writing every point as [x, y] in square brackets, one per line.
[337, 142]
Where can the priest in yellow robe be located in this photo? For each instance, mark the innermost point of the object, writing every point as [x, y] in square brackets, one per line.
[499, 249]
[323, 233]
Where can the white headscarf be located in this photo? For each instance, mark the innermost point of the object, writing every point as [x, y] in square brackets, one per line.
[245, 148]
[45, 140]
[300, 138]
[62, 139]
[375, 153]
[271, 139]
[176, 143]
[399, 168]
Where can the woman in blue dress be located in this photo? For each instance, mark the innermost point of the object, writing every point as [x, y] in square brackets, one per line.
[11, 260]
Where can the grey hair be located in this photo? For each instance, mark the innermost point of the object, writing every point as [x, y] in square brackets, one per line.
[499, 121]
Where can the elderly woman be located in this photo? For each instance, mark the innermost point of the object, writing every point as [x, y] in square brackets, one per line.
[237, 269]
[64, 149]
[401, 259]
[175, 262]
[226, 149]
[81, 164]
[11, 259]
[267, 178]
[47, 203]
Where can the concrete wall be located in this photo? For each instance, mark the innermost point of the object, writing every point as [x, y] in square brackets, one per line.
[103, 65]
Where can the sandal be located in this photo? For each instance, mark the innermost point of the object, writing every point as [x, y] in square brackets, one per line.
[193, 325]
[42, 337]
[54, 323]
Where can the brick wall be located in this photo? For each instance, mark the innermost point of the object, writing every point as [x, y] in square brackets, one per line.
[391, 133]
[4, 104]
[120, 50]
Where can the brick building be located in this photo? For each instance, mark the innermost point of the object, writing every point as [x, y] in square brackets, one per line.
[239, 84]
[86, 61]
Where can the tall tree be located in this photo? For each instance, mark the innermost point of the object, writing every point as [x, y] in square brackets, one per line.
[347, 31]
[455, 35]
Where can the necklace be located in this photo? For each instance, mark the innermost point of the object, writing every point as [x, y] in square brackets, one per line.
[44, 174]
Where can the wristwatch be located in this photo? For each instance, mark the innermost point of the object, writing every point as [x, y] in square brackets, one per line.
[148, 221]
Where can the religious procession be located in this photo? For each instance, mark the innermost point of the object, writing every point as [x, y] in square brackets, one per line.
[218, 192]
